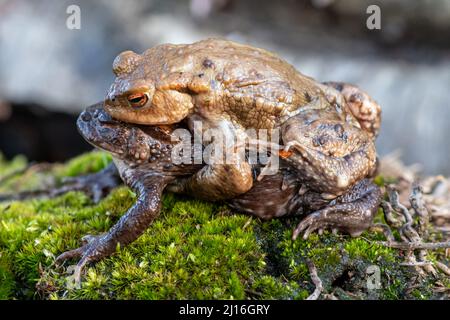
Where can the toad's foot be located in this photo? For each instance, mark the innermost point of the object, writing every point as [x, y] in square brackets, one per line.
[94, 248]
[96, 185]
[351, 213]
[366, 110]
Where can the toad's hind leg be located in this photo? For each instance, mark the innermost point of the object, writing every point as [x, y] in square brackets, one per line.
[350, 213]
[96, 185]
[329, 155]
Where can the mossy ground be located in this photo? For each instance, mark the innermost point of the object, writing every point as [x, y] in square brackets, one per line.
[194, 250]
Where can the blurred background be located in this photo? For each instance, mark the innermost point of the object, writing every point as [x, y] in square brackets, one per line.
[49, 73]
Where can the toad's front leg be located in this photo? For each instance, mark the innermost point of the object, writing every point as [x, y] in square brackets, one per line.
[227, 173]
[216, 181]
[130, 226]
[350, 213]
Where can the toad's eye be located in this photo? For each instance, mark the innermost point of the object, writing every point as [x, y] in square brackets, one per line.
[137, 100]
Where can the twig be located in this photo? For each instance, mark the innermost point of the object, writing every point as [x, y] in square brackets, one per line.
[247, 223]
[396, 205]
[385, 229]
[412, 236]
[418, 205]
[315, 279]
[388, 215]
[415, 245]
[416, 264]
[407, 232]
[442, 267]
[253, 293]
[330, 297]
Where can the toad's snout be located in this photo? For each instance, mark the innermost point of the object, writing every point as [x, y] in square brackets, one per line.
[95, 113]
[89, 120]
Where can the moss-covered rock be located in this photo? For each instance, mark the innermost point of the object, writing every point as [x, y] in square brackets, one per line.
[194, 250]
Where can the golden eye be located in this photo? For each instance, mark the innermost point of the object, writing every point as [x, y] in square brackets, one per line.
[137, 100]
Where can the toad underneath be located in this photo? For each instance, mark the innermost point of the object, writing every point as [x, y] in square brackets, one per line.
[327, 129]
[277, 195]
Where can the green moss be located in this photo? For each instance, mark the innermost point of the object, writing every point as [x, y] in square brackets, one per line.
[379, 180]
[6, 278]
[9, 167]
[194, 250]
[90, 162]
[12, 177]
[359, 248]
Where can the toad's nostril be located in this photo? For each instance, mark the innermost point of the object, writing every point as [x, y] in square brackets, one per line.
[86, 116]
[103, 117]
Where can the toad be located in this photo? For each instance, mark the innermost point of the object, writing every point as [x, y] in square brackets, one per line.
[143, 156]
[328, 129]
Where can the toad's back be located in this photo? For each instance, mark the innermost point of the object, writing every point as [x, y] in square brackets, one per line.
[251, 86]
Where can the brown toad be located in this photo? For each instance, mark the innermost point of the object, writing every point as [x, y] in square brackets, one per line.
[328, 129]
